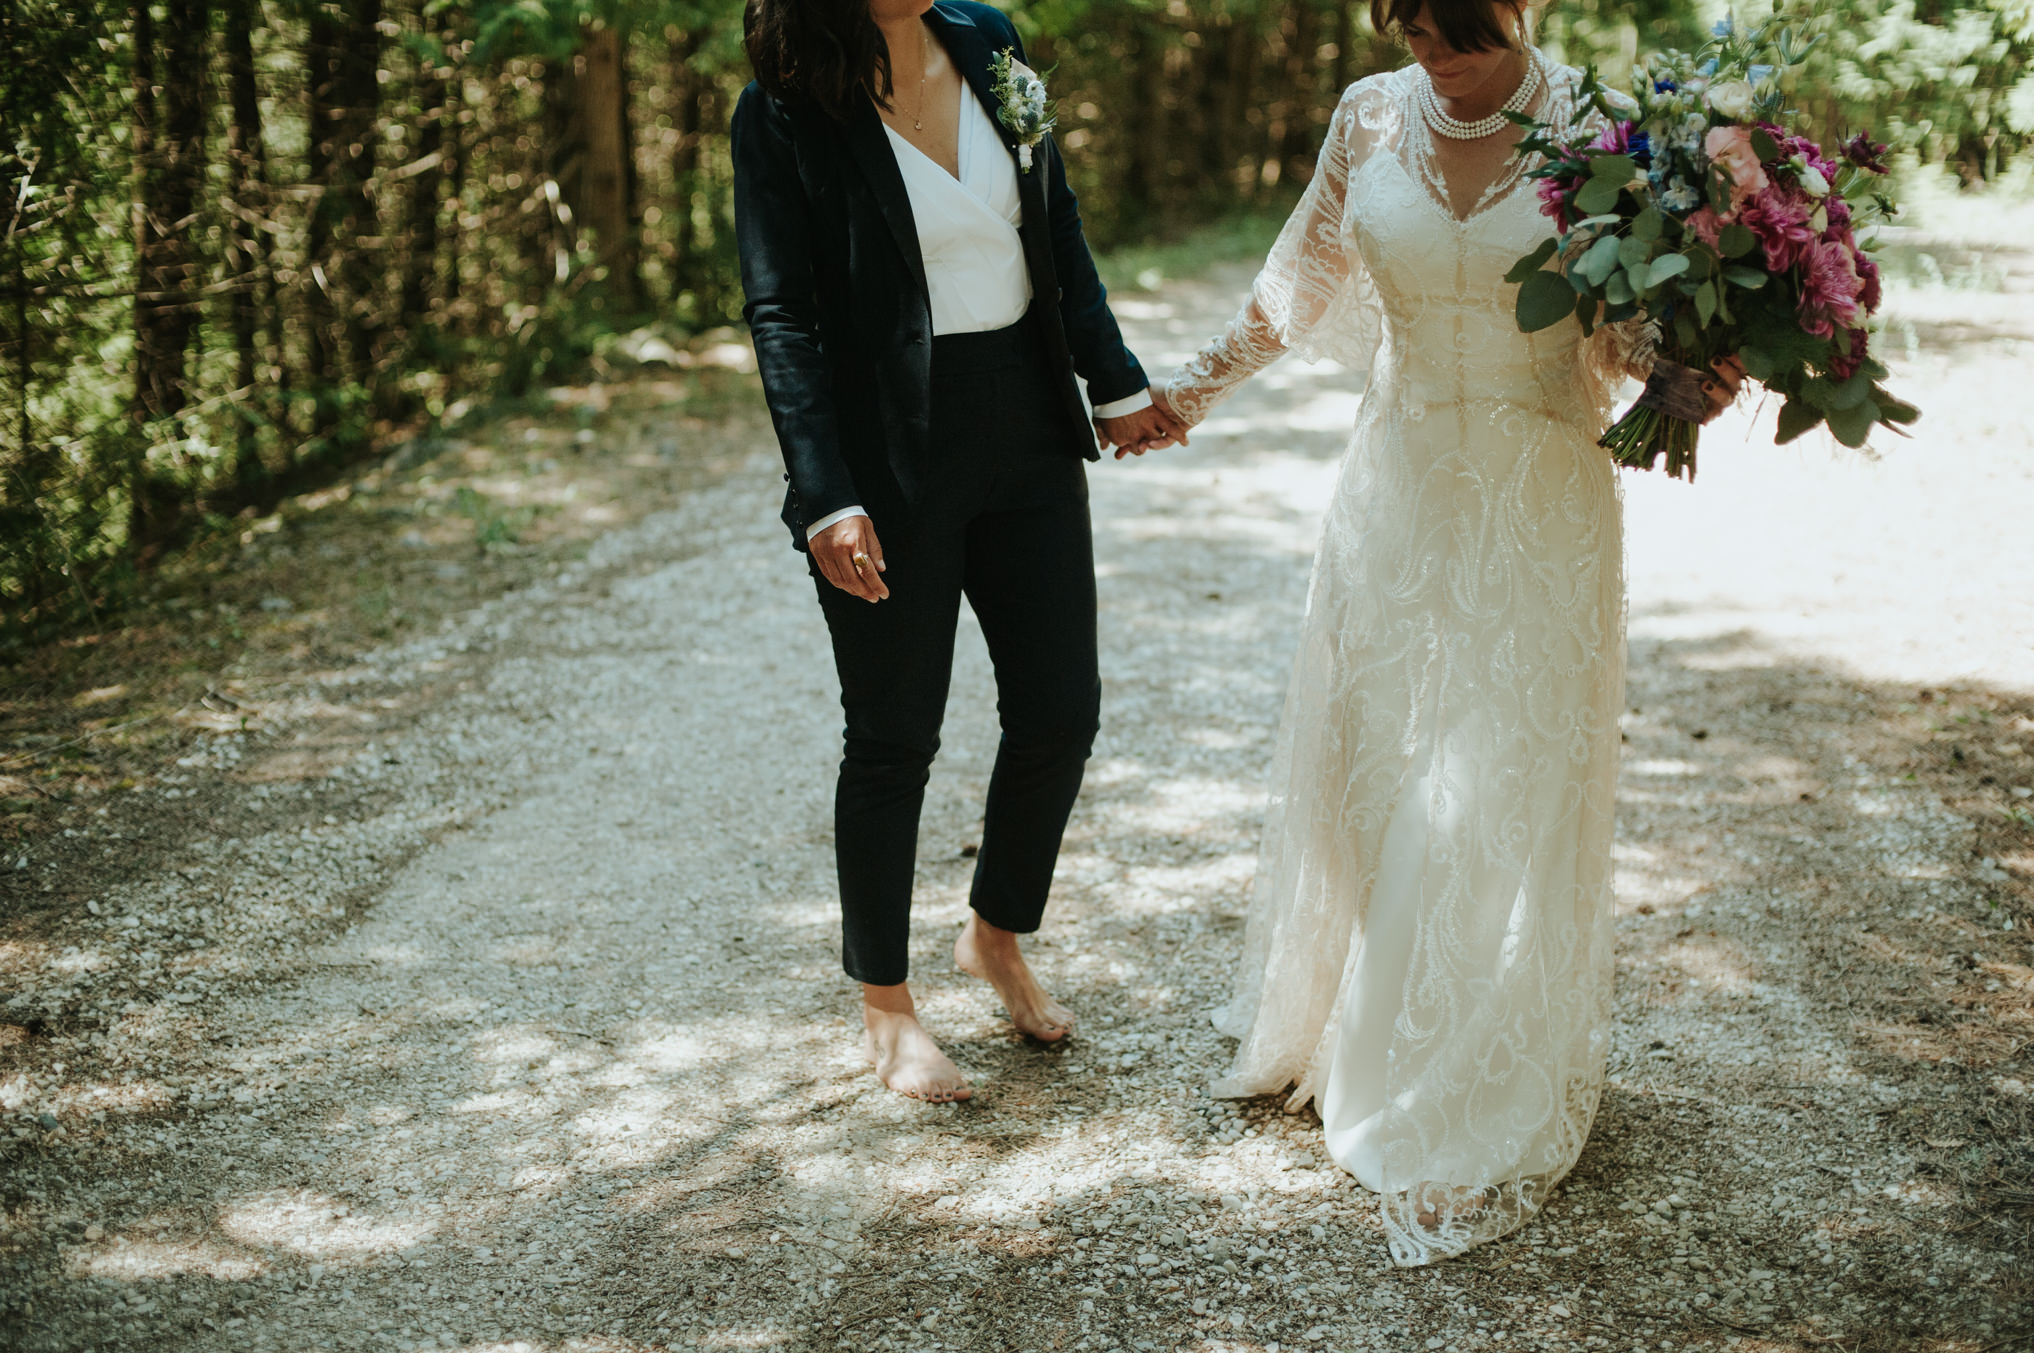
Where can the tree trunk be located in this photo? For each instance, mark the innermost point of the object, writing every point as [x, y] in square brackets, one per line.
[1302, 81]
[1345, 40]
[245, 251]
[342, 49]
[687, 122]
[170, 152]
[588, 111]
[420, 237]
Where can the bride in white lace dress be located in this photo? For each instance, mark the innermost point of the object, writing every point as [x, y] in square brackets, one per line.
[1428, 956]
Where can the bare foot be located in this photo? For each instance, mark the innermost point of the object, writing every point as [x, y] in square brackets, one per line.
[990, 953]
[905, 1057]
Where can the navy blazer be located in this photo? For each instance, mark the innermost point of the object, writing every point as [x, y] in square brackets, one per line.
[836, 295]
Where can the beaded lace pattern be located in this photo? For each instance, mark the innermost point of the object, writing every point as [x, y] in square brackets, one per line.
[1428, 954]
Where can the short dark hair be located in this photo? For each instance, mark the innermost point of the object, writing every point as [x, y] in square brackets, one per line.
[1465, 25]
[827, 52]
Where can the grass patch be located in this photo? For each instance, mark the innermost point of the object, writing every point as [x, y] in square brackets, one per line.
[1243, 238]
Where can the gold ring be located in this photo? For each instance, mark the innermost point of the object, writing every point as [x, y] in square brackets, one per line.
[858, 560]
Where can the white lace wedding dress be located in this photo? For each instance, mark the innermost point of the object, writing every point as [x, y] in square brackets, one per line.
[1428, 956]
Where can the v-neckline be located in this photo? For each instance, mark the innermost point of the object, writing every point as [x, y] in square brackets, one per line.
[960, 123]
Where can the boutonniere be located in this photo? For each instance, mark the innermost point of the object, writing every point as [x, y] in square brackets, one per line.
[1025, 111]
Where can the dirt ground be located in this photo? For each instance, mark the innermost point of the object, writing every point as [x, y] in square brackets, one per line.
[418, 927]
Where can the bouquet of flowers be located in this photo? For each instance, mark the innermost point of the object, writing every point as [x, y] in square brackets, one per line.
[1697, 210]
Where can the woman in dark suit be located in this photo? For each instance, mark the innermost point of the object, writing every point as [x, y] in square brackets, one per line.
[921, 299]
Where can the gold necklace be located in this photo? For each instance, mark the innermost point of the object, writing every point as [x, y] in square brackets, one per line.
[924, 58]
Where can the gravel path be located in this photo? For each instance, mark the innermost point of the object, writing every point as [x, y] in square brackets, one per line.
[493, 1003]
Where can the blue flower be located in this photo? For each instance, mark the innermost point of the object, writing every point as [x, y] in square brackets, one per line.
[1761, 74]
[1664, 86]
[1679, 198]
[1708, 67]
[1640, 149]
[1724, 28]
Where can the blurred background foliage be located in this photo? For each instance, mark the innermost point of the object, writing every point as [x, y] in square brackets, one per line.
[242, 240]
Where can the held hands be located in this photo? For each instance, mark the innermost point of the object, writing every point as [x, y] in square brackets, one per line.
[851, 558]
[1722, 387]
[1135, 433]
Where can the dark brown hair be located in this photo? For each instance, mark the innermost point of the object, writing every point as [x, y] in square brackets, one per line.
[1465, 25]
[827, 52]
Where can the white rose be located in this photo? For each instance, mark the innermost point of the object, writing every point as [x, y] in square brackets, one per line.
[1811, 180]
[1819, 222]
[1732, 99]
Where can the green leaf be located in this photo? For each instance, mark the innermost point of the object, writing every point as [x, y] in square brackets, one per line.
[1894, 410]
[1532, 262]
[1705, 302]
[1758, 363]
[1599, 195]
[1632, 252]
[1852, 392]
[1666, 267]
[1819, 391]
[1647, 225]
[1751, 279]
[1585, 311]
[1763, 145]
[1622, 169]
[1602, 259]
[1544, 300]
[1620, 288]
[1854, 424]
[1685, 329]
[1736, 241]
[1522, 119]
[1876, 369]
[1795, 419]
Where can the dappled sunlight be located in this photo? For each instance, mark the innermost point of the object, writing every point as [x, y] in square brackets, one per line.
[136, 1259]
[316, 1226]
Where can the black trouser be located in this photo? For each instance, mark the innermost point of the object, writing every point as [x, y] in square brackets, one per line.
[1003, 520]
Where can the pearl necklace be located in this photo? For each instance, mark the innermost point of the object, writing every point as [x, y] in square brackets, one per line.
[1457, 130]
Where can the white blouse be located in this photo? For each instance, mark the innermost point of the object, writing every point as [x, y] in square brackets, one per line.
[967, 227]
[967, 234]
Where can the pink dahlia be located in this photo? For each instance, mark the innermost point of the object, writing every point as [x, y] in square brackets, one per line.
[1830, 288]
[1779, 217]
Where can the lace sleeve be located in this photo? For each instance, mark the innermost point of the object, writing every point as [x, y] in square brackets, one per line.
[1313, 296]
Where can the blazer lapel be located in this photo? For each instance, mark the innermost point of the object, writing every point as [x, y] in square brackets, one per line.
[870, 146]
[969, 47]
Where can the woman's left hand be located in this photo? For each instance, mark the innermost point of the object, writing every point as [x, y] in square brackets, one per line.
[1722, 387]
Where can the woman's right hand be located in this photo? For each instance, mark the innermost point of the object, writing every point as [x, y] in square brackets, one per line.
[851, 558]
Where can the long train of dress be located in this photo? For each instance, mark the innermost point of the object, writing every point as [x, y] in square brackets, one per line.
[1428, 955]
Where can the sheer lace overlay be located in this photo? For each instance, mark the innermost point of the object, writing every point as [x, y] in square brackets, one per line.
[1428, 955]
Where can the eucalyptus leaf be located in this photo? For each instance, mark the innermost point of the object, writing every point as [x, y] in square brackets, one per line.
[1647, 225]
[1852, 392]
[1532, 262]
[1736, 241]
[1796, 418]
[1603, 257]
[1632, 252]
[1620, 168]
[1894, 410]
[1599, 194]
[1763, 145]
[1685, 328]
[1853, 425]
[1751, 279]
[1666, 267]
[1705, 302]
[1620, 289]
[1544, 300]
[1758, 363]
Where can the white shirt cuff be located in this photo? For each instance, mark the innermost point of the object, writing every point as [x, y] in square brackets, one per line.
[832, 517]
[1116, 408]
